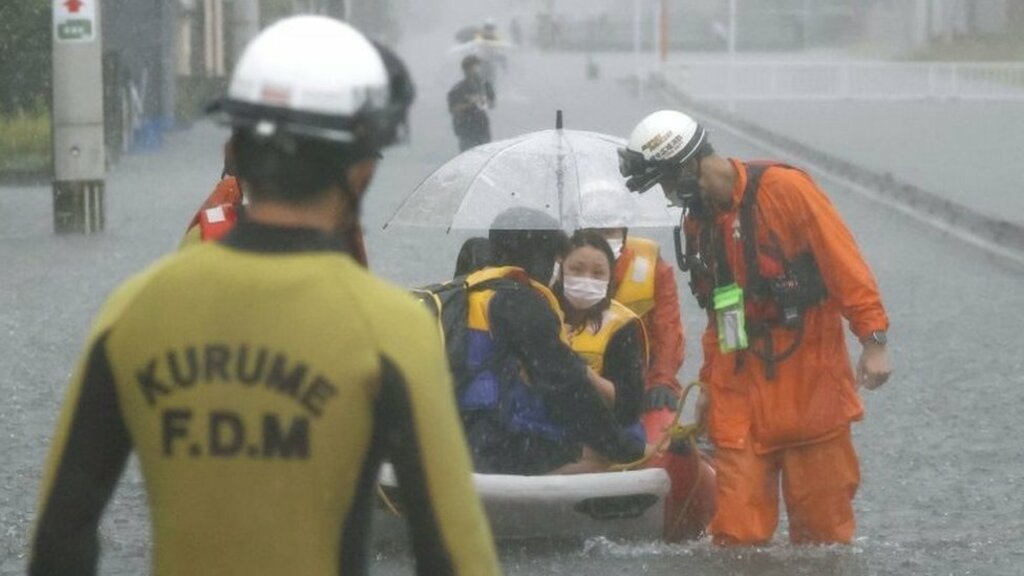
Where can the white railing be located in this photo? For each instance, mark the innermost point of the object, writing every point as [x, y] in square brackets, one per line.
[853, 80]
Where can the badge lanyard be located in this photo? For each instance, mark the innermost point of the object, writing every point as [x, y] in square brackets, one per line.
[728, 302]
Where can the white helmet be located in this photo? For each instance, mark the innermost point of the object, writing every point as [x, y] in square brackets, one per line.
[662, 140]
[314, 77]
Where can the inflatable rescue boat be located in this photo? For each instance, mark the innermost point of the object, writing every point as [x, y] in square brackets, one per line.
[672, 497]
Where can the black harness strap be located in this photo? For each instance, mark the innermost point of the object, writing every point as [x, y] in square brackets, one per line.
[707, 261]
[757, 286]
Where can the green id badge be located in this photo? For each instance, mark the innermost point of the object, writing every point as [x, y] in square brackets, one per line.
[729, 312]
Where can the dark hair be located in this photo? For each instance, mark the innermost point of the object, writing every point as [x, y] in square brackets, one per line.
[474, 255]
[288, 168]
[529, 239]
[594, 239]
[532, 250]
[471, 60]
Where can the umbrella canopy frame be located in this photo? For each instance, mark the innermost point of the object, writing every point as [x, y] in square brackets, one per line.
[570, 175]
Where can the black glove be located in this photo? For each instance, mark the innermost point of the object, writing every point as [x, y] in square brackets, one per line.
[660, 396]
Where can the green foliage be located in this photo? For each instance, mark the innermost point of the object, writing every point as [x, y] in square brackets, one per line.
[25, 142]
[25, 54]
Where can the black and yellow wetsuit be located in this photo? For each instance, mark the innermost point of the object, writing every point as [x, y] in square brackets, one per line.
[261, 381]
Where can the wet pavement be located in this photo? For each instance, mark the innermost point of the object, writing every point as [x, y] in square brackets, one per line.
[967, 151]
[941, 460]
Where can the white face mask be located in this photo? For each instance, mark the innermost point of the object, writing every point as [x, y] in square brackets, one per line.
[616, 246]
[582, 292]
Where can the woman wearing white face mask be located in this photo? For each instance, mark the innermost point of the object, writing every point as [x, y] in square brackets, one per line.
[605, 333]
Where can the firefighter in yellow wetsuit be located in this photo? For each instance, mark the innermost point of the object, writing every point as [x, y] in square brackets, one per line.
[261, 406]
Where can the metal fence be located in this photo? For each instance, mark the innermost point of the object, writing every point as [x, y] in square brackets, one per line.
[854, 80]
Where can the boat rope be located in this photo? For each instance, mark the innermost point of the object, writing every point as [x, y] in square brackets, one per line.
[676, 432]
[387, 501]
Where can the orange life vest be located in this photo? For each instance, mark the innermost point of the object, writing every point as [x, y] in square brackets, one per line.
[635, 289]
[215, 222]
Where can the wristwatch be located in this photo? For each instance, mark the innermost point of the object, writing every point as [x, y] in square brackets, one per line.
[876, 337]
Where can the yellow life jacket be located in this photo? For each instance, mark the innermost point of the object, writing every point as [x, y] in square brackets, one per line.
[636, 287]
[592, 345]
[479, 300]
[519, 409]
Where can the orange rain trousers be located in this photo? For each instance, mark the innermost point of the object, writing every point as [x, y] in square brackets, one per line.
[818, 484]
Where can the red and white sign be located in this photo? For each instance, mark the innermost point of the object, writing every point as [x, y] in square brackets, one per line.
[74, 20]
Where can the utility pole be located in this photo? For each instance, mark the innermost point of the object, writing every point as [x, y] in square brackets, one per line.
[213, 37]
[79, 158]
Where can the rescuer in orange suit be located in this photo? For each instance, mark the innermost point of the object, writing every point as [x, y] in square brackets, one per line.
[777, 270]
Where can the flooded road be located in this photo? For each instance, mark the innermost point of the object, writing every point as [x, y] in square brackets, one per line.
[941, 460]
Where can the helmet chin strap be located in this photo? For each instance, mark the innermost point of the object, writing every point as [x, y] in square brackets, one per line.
[689, 192]
[350, 229]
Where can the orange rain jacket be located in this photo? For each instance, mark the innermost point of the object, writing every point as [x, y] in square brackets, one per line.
[663, 322]
[813, 396]
[229, 192]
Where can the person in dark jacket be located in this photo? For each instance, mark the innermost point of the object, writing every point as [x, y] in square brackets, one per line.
[529, 404]
[468, 102]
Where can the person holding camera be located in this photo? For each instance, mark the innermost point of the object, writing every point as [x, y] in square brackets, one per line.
[777, 270]
[468, 102]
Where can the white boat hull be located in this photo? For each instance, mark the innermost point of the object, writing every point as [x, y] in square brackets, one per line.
[622, 505]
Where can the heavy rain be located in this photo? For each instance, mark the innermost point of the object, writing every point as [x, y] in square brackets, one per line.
[906, 114]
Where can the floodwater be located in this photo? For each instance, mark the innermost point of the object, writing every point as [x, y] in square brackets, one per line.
[942, 463]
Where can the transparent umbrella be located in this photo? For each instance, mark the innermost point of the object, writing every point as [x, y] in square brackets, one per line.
[570, 175]
[481, 47]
